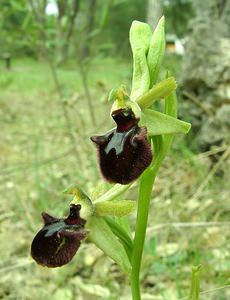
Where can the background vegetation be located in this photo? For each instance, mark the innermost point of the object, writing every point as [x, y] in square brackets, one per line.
[58, 64]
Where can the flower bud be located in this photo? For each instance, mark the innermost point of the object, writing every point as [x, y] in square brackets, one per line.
[59, 239]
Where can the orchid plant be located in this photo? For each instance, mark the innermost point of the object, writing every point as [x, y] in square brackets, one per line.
[130, 153]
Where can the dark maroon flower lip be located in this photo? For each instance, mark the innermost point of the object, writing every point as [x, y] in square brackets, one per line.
[124, 152]
[59, 239]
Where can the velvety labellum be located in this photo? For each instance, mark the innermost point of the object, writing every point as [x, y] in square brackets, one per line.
[59, 239]
[124, 152]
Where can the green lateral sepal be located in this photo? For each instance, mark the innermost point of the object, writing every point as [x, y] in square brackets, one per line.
[116, 191]
[115, 208]
[158, 123]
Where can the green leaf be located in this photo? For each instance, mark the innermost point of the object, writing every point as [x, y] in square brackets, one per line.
[157, 143]
[195, 284]
[158, 123]
[156, 51]
[115, 208]
[159, 152]
[125, 223]
[140, 35]
[122, 232]
[159, 91]
[102, 236]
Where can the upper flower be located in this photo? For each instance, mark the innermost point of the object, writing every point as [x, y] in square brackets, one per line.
[124, 152]
[59, 239]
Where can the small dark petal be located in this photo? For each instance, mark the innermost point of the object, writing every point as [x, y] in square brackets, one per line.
[99, 139]
[102, 139]
[126, 152]
[48, 218]
[58, 241]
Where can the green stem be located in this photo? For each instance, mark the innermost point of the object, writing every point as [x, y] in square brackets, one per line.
[145, 190]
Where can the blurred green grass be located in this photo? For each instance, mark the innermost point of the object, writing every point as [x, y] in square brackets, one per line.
[38, 160]
[32, 76]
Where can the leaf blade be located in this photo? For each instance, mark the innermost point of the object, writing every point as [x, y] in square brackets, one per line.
[102, 236]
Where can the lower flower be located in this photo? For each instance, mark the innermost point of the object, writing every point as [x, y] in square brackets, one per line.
[58, 241]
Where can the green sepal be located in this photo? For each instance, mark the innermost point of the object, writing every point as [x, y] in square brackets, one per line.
[158, 123]
[195, 284]
[156, 51]
[114, 192]
[103, 237]
[115, 208]
[139, 36]
[158, 91]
